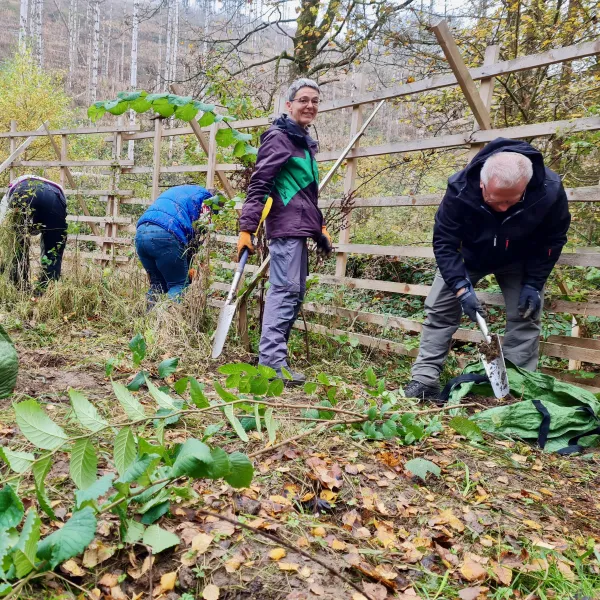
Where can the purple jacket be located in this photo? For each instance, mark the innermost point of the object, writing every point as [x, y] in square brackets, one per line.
[287, 171]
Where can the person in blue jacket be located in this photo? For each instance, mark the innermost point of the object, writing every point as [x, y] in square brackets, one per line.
[163, 235]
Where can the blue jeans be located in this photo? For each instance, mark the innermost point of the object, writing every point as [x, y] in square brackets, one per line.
[163, 256]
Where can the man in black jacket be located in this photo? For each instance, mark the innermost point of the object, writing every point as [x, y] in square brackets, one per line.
[504, 214]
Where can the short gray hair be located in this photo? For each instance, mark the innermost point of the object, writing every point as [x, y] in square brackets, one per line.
[299, 84]
[507, 169]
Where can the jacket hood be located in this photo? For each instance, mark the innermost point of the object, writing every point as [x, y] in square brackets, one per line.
[295, 131]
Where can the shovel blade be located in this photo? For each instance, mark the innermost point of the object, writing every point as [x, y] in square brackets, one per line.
[223, 325]
[496, 371]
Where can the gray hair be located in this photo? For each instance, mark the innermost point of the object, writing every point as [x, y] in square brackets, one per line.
[507, 169]
[298, 84]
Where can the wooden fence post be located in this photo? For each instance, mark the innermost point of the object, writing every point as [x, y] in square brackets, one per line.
[212, 156]
[112, 200]
[156, 165]
[64, 156]
[13, 147]
[350, 179]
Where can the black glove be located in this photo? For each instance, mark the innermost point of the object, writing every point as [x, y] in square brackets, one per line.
[530, 302]
[324, 247]
[470, 303]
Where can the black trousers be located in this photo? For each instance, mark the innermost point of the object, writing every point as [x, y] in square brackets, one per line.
[38, 208]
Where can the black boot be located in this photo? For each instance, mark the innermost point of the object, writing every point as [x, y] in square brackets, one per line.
[416, 389]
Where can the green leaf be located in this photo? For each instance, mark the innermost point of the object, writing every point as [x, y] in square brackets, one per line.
[225, 395]
[238, 369]
[5, 589]
[239, 149]
[159, 539]
[86, 412]
[143, 465]
[323, 379]
[371, 378]
[206, 108]
[257, 418]
[162, 399]
[137, 345]
[271, 425]
[37, 427]
[163, 107]
[251, 150]
[233, 381]
[19, 462]
[159, 96]
[94, 491]
[131, 405]
[24, 552]
[267, 372]
[208, 118]
[138, 381]
[155, 513]
[8, 539]
[96, 111]
[211, 430]
[167, 367]
[194, 459]
[420, 467]
[275, 388]
[124, 450]
[135, 531]
[11, 508]
[197, 394]
[220, 466]
[241, 470]
[129, 96]
[69, 541]
[224, 137]
[466, 428]
[241, 137]
[186, 112]
[181, 385]
[141, 105]
[372, 413]
[116, 107]
[259, 386]
[40, 471]
[84, 463]
[310, 387]
[235, 423]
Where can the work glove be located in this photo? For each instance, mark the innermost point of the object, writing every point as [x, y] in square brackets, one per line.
[324, 246]
[530, 302]
[470, 303]
[244, 241]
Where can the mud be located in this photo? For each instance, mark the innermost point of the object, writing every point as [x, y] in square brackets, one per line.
[491, 350]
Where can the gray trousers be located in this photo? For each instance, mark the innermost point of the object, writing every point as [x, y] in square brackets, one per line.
[288, 271]
[443, 311]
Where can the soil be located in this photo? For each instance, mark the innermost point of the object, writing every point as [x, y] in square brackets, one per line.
[491, 350]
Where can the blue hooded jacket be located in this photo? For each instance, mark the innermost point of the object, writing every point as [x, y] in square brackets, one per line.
[176, 209]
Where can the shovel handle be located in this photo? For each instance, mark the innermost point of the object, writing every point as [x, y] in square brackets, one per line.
[238, 275]
[484, 328]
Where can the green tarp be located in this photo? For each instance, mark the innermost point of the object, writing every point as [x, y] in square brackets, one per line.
[572, 410]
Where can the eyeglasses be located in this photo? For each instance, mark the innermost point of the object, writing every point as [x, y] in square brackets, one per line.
[307, 101]
[497, 203]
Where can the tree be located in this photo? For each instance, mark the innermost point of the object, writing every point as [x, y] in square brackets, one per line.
[23, 18]
[134, 65]
[95, 54]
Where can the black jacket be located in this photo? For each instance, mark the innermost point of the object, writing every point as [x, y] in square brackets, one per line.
[468, 235]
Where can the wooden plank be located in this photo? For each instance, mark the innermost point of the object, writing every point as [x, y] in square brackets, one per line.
[77, 255]
[463, 77]
[591, 355]
[182, 169]
[10, 161]
[99, 220]
[77, 131]
[50, 164]
[462, 139]
[592, 384]
[576, 342]
[212, 157]
[141, 201]
[12, 146]
[100, 239]
[156, 159]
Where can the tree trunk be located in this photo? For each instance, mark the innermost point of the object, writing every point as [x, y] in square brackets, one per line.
[72, 42]
[167, 70]
[108, 43]
[23, 19]
[134, 67]
[38, 33]
[95, 51]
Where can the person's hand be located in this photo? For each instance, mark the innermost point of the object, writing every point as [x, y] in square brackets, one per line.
[470, 303]
[324, 246]
[530, 302]
[244, 241]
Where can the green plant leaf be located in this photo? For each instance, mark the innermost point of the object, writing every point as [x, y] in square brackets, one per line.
[135, 531]
[138, 346]
[167, 367]
[94, 491]
[250, 150]
[206, 108]
[24, 552]
[84, 463]
[211, 430]
[310, 387]
[141, 105]
[186, 112]
[158, 96]
[159, 539]
[96, 111]
[11, 508]
[466, 428]
[138, 381]
[208, 118]
[323, 379]
[371, 378]
[163, 107]
[259, 385]
[131, 405]
[86, 412]
[224, 137]
[5, 589]
[420, 467]
[275, 388]
[18, 461]
[235, 423]
[124, 450]
[225, 395]
[241, 137]
[129, 96]
[143, 465]
[197, 394]
[238, 369]
[156, 512]
[69, 541]
[162, 399]
[37, 427]
[176, 100]
[116, 107]
[181, 385]
[40, 471]
[220, 466]
[267, 372]
[194, 459]
[257, 418]
[241, 470]
[271, 425]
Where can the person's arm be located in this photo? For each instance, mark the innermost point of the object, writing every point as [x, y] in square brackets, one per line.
[273, 153]
[553, 233]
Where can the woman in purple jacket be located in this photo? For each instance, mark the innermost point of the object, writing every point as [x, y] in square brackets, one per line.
[286, 171]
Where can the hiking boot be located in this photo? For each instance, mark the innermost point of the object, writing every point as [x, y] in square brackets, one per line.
[296, 380]
[416, 389]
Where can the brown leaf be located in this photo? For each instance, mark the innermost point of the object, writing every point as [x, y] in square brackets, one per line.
[338, 545]
[96, 553]
[136, 573]
[72, 568]
[502, 574]
[234, 563]
[201, 542]
[471, 593]
[277, 553]
[449, 559]
[319, 531]
[211, 592]
[375, 591]
[329, 476]
[472, 571]
[109, 580]
[447, 517]
[116, 593]
[316, 589]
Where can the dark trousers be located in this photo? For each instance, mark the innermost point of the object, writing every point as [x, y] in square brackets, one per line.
[165, 260]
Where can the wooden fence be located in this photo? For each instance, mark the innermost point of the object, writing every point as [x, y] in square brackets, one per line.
[112, 232]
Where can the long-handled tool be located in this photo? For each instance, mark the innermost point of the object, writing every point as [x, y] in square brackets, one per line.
[493, 360]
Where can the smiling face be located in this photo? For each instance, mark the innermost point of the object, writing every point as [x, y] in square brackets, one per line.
[304, 107]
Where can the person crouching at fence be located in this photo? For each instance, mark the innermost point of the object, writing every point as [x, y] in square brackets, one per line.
[287, 172]
[34, 205]
[164, 234]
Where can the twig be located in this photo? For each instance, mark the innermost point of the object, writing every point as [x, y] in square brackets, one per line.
[282, 542]
[293, 439]
[69, 582]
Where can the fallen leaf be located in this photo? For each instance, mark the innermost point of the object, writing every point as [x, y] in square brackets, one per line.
[136, 573]
[357, 596]
[566, 571]
[167, 581]
[211, 592]
[116, 593]
[472, 571]
[305, 572]
[234, 563]
[502, 574]
[375, 591]
[302, 542]
[447, 517]
[385, 573]
[72, 568]
[386, 537]
[277, 553]
[502, 479]
[362, 533]
[519, 458]
[328, 495]
[319, 531]
[201, 542]
[109, 580]
[316, 589]
[96, 553]
[223, 528]
[285, 566]
[532, 524]
[470, 593]
[486, 541]
[450, 560]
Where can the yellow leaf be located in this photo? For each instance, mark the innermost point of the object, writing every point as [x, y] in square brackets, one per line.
[328, 495]
[167, 581]
[211, 592]
[565, 569]
[302, 542]
[72, 568]
[338, 545]
[532, 524]
[308, 496]
[234, 563]
[201, 542]
[472, 571]
[277, 553]
[319, 531]
[285, 566]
